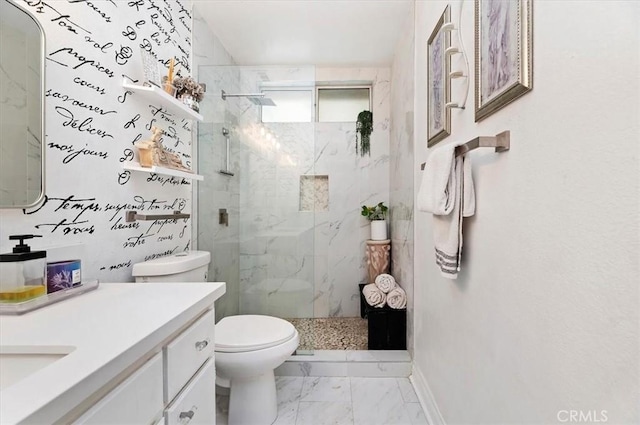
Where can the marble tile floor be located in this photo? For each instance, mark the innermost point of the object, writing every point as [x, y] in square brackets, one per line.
[341, 401]
[332, 333]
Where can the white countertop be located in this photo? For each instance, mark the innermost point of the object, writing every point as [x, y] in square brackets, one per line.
[106, 330]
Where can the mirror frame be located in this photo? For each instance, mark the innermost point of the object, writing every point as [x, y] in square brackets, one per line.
[43, 76]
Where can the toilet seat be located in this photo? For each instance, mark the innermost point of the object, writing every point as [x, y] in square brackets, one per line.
[242, 333]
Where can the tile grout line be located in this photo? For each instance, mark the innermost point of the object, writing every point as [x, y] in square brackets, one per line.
[295, 418]
[353, 409]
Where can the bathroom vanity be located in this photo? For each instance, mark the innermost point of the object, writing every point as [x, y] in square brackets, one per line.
[124, 353]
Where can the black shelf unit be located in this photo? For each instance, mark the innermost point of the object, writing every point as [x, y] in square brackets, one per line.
[387, 326]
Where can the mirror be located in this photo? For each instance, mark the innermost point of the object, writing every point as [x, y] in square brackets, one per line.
[21, 108]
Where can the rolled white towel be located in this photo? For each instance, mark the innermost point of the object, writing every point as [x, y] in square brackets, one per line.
[397, 298]
[374, 296]
[385, 282]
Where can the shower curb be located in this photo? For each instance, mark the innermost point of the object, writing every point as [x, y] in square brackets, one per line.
[352, 363]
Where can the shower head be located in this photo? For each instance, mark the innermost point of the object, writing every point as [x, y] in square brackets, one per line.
[255, 98]
[261, 100]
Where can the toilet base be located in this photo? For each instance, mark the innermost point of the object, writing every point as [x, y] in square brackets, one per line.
[263, 406]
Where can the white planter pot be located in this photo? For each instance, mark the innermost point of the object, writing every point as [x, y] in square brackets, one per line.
[378, 230]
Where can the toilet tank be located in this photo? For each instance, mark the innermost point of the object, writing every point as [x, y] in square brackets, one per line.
[189, 266]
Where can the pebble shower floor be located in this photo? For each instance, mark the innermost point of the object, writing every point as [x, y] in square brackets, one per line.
[332, 333]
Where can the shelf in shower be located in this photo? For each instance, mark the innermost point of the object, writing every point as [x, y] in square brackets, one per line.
[135, 166]
[158, 96]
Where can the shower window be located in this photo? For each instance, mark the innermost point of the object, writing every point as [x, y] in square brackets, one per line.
[342, 104]
[292, 105]
[334, 104]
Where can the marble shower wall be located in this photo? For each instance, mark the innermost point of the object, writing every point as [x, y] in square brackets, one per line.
[402, 168]
[308, 273]
[341, 232]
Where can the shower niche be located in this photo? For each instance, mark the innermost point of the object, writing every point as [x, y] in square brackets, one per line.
[314, 193]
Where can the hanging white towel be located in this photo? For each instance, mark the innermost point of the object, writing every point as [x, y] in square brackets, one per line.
[397, 298]
[385, 282]
[374, 296]
[447, 191]
[438, 182]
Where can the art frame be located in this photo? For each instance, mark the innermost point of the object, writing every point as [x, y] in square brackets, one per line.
[438, 82]
[504, 53]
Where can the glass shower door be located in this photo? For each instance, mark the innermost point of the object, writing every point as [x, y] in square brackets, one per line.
[218, 194]
[266, 253]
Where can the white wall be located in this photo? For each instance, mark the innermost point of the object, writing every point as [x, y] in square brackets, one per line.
[91, 124]
[544, 315]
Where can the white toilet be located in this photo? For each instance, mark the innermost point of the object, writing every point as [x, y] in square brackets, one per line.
[248, 347]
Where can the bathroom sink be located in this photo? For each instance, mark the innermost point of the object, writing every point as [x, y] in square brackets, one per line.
[17, 363]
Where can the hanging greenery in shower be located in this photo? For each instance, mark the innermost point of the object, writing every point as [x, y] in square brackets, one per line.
[364, 126]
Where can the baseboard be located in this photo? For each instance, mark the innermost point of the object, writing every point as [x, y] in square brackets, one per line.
[425, 396]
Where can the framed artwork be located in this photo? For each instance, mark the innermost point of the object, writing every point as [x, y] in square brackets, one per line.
[504, 62]
[438, 87]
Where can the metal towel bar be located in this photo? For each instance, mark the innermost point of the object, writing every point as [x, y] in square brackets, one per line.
[501, 142]
[132, 216]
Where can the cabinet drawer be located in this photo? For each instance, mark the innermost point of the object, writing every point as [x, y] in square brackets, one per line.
[137, 400]
[185, 354]
[196, 404]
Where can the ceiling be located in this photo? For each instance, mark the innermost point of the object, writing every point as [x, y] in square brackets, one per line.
[308, 32]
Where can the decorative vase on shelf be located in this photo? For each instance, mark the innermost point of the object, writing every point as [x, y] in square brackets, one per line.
[190, 101]
[189, 91]
[378, 230]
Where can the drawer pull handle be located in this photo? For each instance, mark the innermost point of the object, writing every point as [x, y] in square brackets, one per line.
[201, 345]
[186, 415]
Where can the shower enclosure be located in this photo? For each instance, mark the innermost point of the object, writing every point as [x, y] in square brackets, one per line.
[256, 208]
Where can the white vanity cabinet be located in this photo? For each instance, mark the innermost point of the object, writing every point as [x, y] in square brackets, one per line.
[137, 400]
[190, 375]
[125, 354]
[177, 384]
[196, 405]
[187, 353]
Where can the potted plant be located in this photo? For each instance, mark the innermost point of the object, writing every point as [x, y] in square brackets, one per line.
[364, 127]
[377, 214]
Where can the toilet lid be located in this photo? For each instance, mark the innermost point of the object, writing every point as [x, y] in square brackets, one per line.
[248, 332]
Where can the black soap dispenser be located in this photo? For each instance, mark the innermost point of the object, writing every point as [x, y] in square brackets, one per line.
[22, 272]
